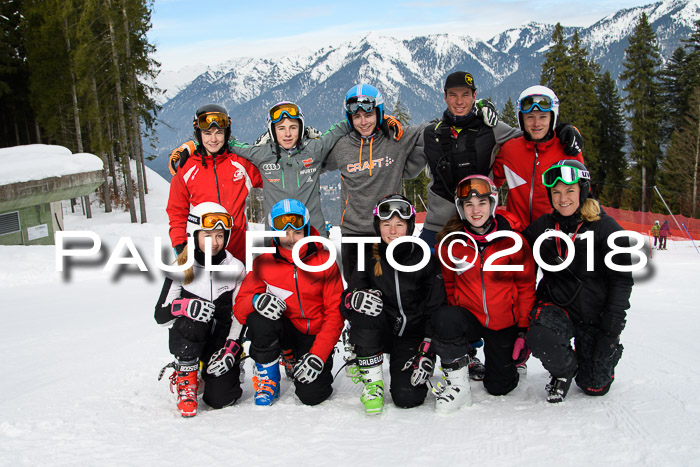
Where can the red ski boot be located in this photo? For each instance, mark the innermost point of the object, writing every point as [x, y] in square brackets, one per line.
[185, 379]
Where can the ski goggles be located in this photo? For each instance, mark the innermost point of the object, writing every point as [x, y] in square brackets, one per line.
[564, 174]
[295, 221]
[365, 103]
[474, 186]
[386, 209]
[528, 103]
[289, 110]
[212, 220]
[206, 120]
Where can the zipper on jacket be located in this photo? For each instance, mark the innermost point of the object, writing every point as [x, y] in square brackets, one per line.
[532, 182]
[483, 289]
[301, 309]
[398, 300]
[216, 178]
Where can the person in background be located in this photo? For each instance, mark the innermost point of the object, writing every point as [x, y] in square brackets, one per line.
[584, 302]
[664, 232]
[522, 160]
[655, 232]
[482, 301]
[389, 311]
[214, 174]
[199, 312]
[286, 307]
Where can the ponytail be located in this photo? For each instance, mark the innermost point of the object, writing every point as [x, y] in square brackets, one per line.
[590, 211]
[377, 265]
[189, 272]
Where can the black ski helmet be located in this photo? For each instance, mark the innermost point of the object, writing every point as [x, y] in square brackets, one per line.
[212, 109]
[584, 179]
[402, 207]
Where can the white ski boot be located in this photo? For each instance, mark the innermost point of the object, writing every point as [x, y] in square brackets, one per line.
[455, 392]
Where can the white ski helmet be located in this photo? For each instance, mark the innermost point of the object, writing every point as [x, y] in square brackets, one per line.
[528, 100]
[209, 216]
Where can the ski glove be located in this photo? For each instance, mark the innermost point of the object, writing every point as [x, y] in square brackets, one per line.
[308, 368]
[225, 358]
[367, 301]
[193, 308]
[312, 133]
[268, 305]
[605, 346]
[395, 128]
[487, 112]
[422, 364]
[179, 156]
[262, 139]
[521, 351]
[570, 138]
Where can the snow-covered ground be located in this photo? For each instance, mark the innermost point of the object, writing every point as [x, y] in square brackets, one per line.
[81, 355]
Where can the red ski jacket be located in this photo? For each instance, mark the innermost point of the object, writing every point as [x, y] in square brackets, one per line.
[227, 180]
[499, 299]
[312, 298]
[522, 163]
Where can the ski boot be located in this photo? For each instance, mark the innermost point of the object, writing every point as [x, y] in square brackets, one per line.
[372, 397]
[266, 383]
[352, 370]
[557, 389]
[184, 378]
[456, 391]
[288, 361]
[477, 370]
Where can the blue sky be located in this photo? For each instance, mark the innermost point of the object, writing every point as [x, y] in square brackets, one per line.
[217, 30]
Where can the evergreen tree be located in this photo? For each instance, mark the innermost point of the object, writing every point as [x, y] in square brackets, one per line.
[415, 189]
[612, 166]
[557, 66]
[508, 114]
[641, 66]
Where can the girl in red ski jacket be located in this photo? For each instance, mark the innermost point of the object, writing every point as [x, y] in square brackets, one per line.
[483, 303]
[286, 307]
[212, 174]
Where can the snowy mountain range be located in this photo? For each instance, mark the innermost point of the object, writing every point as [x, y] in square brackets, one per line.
[412, 71]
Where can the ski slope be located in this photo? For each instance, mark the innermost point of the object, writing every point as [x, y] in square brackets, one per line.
[82, 355]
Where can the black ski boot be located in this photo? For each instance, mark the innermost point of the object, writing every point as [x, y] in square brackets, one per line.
[557, 389]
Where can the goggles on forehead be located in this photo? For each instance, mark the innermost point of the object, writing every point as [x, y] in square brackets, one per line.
[206, 120]
[474, 186]
[365, 103]
[212, 220]
[386, 209]
[295, 221]
[564, 174]
[542, 102]
[289, 110]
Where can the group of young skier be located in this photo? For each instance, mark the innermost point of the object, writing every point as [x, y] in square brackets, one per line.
[475, 286]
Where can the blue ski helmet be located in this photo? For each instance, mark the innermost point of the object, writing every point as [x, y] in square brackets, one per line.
[365, 97]
[289, 213]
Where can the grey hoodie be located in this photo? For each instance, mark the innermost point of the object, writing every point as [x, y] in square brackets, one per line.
[372, 168]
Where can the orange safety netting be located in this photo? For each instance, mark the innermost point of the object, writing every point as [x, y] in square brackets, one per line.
[642, 221]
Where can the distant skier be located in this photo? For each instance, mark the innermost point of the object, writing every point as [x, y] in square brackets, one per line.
[286, 307]
[521, 161]
[482, 303]
[664, 232]
[586, 302]
[655, 232]
[215, 174]
[390, 310]
[199, 312]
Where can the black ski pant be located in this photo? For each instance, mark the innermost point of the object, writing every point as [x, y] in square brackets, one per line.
[454, 327]
[348, 253]
[549, 338]
[373, 335]
[268, 338]
[191, 340]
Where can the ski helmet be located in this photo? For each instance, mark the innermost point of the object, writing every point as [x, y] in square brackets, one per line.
[656, 222]
[208, 115]
[209, 216]
[395, 205]
[289, 213]
[365, 97]
[568, 171]
[282, 110]
[542, 98]
[476, 185]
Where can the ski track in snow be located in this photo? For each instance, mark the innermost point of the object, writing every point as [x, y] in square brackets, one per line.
[80, 384]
